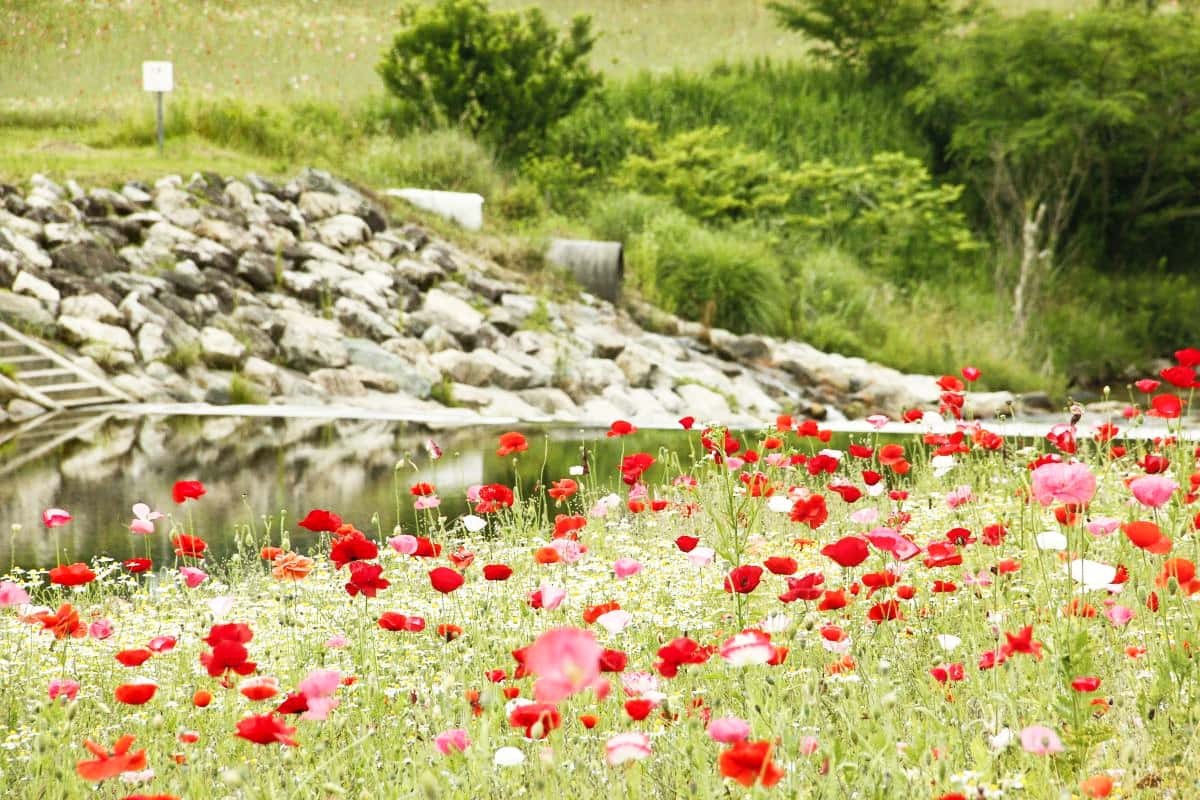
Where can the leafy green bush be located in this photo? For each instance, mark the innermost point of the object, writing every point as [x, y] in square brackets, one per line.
[444, 159]
[725, 279]
[619, 216]
[504, 76]
[705, 175]
[879, 36]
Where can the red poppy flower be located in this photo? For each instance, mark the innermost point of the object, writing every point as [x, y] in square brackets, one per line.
[1147, 536]
[109, 765]
[880, 612]
[687, 543]
[848, 493]
[136, 693]
[134, 658]
[743, 579]
[810, 511]
[395, 621]
[187, 490]
[366, 578]
[72, 575]
[497, 572]
[639, 708]
[781, 565]
[633, 466]
[849, 551]
[678, 652]
[265, 729]
[833, 600]
[293, 703]
[63, 623]
[971, 373]
[807, 587]
[202, 698]
[563, 488]
[588, 720]
[1166, 406]
[189, 546]
[593, 613]
[942, 554]
[493, 497]
[422, 489]
[750, 762]
[1085, 683]
[687, 423]
[229, 653]
[320, 520]
[621, 428]
[352, 547]
[1022, 642]
[537, 719]
[445, 580]
[137, 565]
[1180, 377]
[613, 660]
[511, 442]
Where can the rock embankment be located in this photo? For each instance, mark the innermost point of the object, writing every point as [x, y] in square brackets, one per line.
[246, 290]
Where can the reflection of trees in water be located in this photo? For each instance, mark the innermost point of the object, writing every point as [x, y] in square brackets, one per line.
[251, 467]
[267, 467]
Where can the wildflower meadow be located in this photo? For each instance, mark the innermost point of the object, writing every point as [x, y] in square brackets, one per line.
[955, 614]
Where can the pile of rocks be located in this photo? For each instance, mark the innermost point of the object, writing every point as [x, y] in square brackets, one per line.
[216, 289]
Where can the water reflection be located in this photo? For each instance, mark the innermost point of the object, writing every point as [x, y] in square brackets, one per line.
[256, 471]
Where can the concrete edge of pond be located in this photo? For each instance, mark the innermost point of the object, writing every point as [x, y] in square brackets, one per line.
[449, 418]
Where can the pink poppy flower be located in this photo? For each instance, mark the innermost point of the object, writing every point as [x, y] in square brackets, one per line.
[454, 740]
[1119, 615]
[877, 421]
[566, 661]
[569, 550]
[12, 594]
[1103, 526]
[143, 519]
[1040, 740]
[614, 621]
[403, 544]
[1153, 491]
[960, 496]
[626, 567]
[729, 730]
[701, 556]
[63, 687]
[626, 747]
[550, 597]
[746, 648]
[865, 516]
[640, 684]
[336, 641]
[427, 502]
[809, 745]
[192, 577]
[318, 688]
[100, 629]
[55, 517]
[1063, 483]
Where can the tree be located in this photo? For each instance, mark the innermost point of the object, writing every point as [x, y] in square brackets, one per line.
[1080, 137]
[505, 76]
[878, 36]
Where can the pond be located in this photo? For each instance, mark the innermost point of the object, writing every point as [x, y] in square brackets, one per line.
[266, 471]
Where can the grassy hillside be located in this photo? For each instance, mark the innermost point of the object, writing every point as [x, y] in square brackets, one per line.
[63, 53]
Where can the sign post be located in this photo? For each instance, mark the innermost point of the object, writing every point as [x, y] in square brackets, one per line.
[158, 77]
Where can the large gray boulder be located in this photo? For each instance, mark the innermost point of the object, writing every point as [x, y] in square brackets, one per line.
[454, 315]
[310, 343]
[409, 378]
[81, 331]
[220, 349]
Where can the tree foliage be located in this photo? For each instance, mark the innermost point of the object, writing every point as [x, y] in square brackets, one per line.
[1093, 117]
[505, 76]
[878, 36]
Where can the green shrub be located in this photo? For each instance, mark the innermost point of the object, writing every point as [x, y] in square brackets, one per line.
[878, 36]
[705, 175]
[504, 76]
[622, 215]
[442, 159]
[520, 202]
[725, 279]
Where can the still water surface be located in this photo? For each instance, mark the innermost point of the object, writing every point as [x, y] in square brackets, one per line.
[265, 470]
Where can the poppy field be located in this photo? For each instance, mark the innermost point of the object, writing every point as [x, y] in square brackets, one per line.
[962, 615]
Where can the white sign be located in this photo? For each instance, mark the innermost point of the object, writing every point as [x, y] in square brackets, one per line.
[158, 76]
